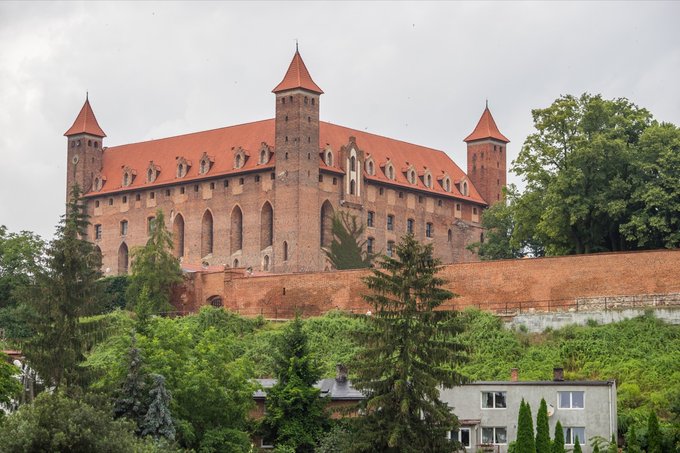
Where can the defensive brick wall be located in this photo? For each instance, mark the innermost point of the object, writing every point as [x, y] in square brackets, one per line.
[577, 283]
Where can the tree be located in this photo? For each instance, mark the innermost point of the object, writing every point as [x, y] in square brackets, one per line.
[613, 447]
[63, 292]
[558, 442]
[131, 401]
[653, 434]
[295, 415]
[9, 385]
[632, 442]
[410, 350]
[158, 420]
[577, 446]
[542, 429]
[154, 270]
[596, 449]
[347, 251]
[525, 430]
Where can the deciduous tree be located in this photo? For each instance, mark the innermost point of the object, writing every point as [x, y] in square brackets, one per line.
[410, 351]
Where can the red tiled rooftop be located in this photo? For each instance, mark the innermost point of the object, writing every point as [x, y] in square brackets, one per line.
[297, 76]
[486, 128]
[86, 123]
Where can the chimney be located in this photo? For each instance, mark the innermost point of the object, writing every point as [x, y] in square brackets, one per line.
[558, 374]
[514, 374]
[340, 373]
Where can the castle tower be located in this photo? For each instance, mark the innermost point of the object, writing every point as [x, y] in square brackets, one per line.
[297, 208]
[84, 150]
[486, 158]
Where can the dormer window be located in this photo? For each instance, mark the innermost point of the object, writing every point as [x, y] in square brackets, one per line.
[427, 179]
[182, 167]
[263, 156]
[128, 176]
[465, 188]
[389, 171]
[328, 158]
[370, 167]
[446, 183]
[152, 172]
[98, 183]
[204, 164]
[411, 175]
[239, 158]
[265, 153]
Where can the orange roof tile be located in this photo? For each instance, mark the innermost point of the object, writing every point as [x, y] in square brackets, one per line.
[221, 144]
[297, 76]
[86, 123]
[486, 128]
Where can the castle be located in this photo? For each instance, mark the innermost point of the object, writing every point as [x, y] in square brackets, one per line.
[262, 195]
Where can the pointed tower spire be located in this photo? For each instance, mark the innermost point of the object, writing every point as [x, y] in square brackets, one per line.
[297, 76]
[486, 128]
[86, 122]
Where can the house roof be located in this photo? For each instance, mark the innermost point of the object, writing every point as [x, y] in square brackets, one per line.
[328, 388]
[85, 123]
[297, 76]
[486, 128]
[221, 145]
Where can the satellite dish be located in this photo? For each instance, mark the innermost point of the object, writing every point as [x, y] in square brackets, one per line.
[551, 410]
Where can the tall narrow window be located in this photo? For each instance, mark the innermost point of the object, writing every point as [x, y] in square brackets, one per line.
[236, 230]
[409, 226]
[326, 224]
[450, 235]
[352, 187]
[390, 248]
[122, 259]
[370, 219]
[429, 229]
[370, 245]
[266, 226]
[97, 231]
[390, 222]
[178, 236]
[285, 251]
[207, 234]
[123, 227]
[353, 163]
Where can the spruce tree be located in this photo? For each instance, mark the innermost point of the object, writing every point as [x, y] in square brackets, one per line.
[347, 249]
[558, 442]
[295, 417]
[410, 350]
[613, 447]
[158, 420]
[653, 434]
[632, 442]
[155, 269]
[577, 446]
[131, 401]
[542, 429]
[63, 292]
[525, 430]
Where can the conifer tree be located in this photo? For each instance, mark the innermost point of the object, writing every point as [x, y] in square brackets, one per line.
[525, 430]
[155, 269]
[131, 401]
[613, 447]
[410, 351]
[295, 416]
[632, 442]
[653, 434]
[158, 420]
[347, 249]
[596, 449]
[63, 292]
[577, 446]
[542, 429]
[558, 442]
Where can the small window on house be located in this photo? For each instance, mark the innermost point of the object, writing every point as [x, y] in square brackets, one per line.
[457, 206]
[369, 245]
[570, 400]
[420, 198]
[439, 203]
[390, 248]
[149, 175]
[449, 235]
[335, 181]
[78, 143]
[571, 433]
[313, 100]
[212, 186]
[369, 168]
[285, 251]
[465, 188]
[382, 191]
[124, 199]
[286, 119]
[494, 400]
[215, 301]
[429, 229]
[138, 197]
[352, 187]
[272, 176]
[409, 226]
[97, 231]
[286, 156]
[237, 161]
[390, 222]
[257, 178]
[353, 163]
[497, 435]
[370, 219]
[96, 204]
[401, 194]
[241, 181]
[89, 143]
[123, 227]
[263, 156]
[428, 181]
[196, 188]
[462, 435]
[474, 211]
[309, 119]
[306, 99]
[110, 201]
[226, 183]
[181, 190]
[167, 192]
[152, 195]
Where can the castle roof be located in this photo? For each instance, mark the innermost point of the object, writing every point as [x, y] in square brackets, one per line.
[297, 76]
[86, 123]
[486, 128]
[223, 144]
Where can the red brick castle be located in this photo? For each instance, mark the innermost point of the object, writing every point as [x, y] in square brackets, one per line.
[261, 195]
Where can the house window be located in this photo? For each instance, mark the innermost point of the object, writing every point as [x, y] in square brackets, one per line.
[390, 222]
[450, 235]
[420, 198]
[382, 191]
[401, 194]
[212, 186]
[571, 433]
[257, 178]
[462, 435]
[457, 206]
[370, 219]
[181, 190]
[493, 400]
[150, 224]
[369, 245]
[335, 181]
[409, 226]
[570, 400]
[495, 435]
[196, 188]
[123, 227]
[439, 203]
[110, 201]
[167, 192]
[152, 195]
[97, 231]
[272, 176]
[241, 181]
[138, 197]
[96, 204]
[474, 211]
[429, 229]
[124, 199]
[226, 183]
[390, 248]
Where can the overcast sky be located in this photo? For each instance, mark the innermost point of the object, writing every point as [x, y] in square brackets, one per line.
[419, 72]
